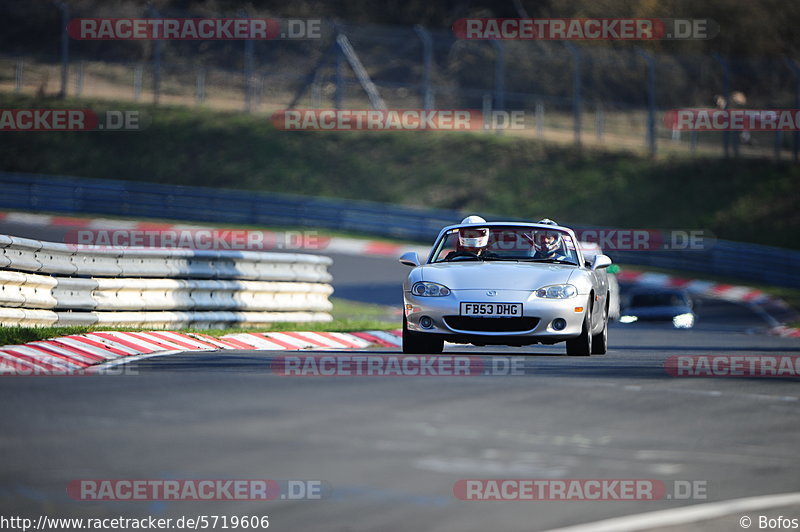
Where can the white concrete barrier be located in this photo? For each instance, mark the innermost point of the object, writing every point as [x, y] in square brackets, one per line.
[25, 290]
[11, 289]
[144, 263]
[19, 317]
[144, 287]
[56, 258]
[74, 293]
[201, 320]
[21, 254]
[38, 291]
[98, 262]
[5, 241]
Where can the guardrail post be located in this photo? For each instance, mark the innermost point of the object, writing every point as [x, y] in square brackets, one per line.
[726, 93]
[338, 95]
[248, 69]
[600, 121]
[795, 69]
[18, 75]
[427, 61]
[499, 76]
[200, 86]
[486, 109]
[316, 95]
[153, 13]
[651, 100]
[576, 89]
[64, 49]
[539, 118]
[79, 79]
[138, 74]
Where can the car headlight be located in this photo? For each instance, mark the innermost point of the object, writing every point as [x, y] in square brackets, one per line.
[428, 289]
[557, 291]
[683, 321]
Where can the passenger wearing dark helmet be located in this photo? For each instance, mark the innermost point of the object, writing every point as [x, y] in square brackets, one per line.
[548, 245]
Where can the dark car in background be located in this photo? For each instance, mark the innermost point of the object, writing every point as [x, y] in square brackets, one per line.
[659, 304]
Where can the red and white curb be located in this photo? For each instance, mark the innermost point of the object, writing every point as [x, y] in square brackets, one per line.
[727, 292]
[85, 352]
[788, 332]
[335, 244]
[762, 303]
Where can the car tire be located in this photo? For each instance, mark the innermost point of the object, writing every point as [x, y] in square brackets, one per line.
[415, 343]
[581, 346]
[600, 340]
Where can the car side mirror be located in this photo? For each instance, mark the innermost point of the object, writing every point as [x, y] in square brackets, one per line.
[410, 259]
[601, 261]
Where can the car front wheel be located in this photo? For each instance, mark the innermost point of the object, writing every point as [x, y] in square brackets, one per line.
[420, 343]
[600, 340]
[581, 346]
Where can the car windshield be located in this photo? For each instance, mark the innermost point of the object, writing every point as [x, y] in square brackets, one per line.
[511, 243]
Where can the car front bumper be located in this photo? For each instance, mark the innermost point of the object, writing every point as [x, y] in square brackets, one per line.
[536, 323]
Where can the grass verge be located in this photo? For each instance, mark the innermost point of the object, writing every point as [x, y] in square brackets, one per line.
[751, 200]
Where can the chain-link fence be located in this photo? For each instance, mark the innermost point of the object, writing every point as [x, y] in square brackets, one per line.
[591, 94]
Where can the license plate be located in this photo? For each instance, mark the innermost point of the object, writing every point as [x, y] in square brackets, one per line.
[492, 310]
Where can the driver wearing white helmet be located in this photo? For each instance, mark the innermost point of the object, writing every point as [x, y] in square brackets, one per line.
[472, 241]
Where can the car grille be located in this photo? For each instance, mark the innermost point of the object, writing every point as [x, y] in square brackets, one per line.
[468, 323]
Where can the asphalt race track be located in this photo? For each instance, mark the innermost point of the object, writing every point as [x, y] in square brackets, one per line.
[390, 449]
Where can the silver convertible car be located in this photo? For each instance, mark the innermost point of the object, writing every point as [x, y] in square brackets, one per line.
[506, 283]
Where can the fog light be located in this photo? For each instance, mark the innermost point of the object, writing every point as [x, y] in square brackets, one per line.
[426, 322]
[559, 324]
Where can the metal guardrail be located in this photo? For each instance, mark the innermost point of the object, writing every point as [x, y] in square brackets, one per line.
[45, 283]
[751, 262]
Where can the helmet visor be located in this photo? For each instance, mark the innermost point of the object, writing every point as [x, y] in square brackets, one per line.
[473, 238]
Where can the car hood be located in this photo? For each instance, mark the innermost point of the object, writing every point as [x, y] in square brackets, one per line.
[496, 275]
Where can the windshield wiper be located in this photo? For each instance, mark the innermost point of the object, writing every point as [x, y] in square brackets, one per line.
[461, 258]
